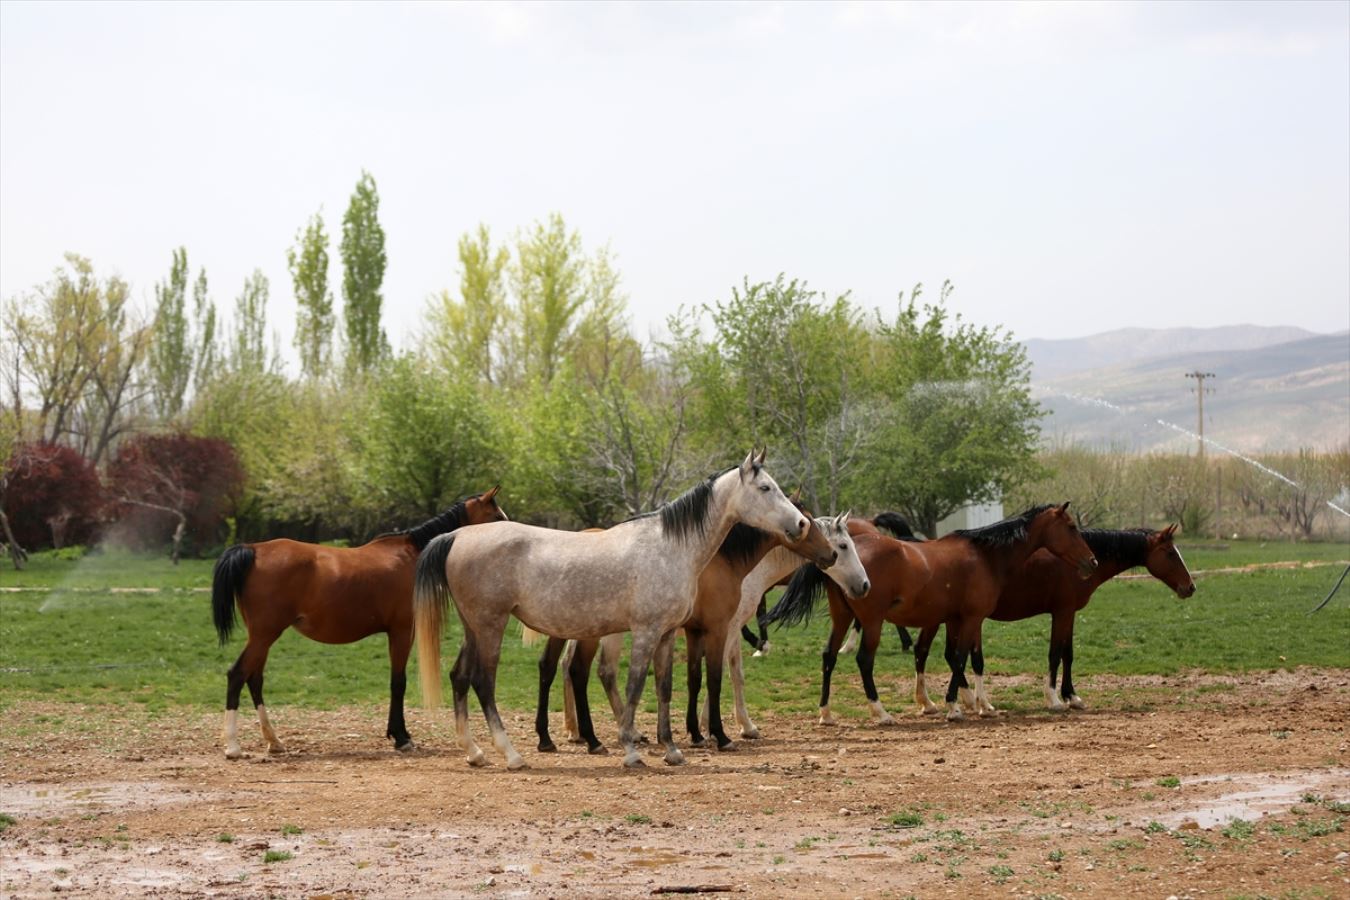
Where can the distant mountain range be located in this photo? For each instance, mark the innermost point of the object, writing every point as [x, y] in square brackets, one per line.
[1274, 388]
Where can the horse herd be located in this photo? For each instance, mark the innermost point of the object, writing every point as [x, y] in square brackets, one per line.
[702, 564]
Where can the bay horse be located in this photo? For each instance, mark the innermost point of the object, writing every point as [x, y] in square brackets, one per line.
[1044, 585]
[335, 595]
[710, 629]
[639, 576]
[955, 580]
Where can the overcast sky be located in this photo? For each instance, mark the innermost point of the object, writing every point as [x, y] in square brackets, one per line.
[1072, 168]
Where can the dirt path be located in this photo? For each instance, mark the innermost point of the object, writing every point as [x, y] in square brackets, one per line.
[1032, 803]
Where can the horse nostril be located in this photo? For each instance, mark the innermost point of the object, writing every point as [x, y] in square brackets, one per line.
[866, 586]
[834, 557]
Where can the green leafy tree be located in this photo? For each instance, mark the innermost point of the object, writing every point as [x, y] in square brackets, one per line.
[205, 349]
[549, 278]
[467, 333]
[363, 264]
[250, 326]
[960, 425]
[308, 262]
[171, 356]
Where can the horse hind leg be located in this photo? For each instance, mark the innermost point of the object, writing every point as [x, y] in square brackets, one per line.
[748, 729]
[461, 677]
[611, 651]
[925, 641]
[484, 682]
[548, 669]
[983, 703]
[247, 669]
[664, 662]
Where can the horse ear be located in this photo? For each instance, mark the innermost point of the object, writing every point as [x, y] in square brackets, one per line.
[841, 520]
[492, 493]
[1169, 532]
[759, 460]
[1064, 507]
[797, 495]
[748, 466]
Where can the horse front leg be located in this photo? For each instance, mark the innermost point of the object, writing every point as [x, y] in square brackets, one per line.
[734, 665]
[664, 661]
[982, 701]
[611, 652]
[579, 675]
[1066, 685]
[548, 670]
[1058, 625]
[961, 638]
[716, 638]
[925, 642]
[400, 644]
[644, 643]
[840, 620]
[867, 654]
[694, 652]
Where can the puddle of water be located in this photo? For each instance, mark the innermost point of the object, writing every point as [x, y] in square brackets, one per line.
[1262, 794]
[46, 801]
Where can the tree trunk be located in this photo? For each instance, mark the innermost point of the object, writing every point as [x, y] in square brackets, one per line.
[16, 553]
[178, 537]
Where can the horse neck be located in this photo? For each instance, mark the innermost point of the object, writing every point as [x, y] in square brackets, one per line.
[702, 548]
[777, 563]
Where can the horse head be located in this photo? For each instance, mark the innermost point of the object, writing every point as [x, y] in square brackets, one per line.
[484, 508]
[1058, 533]
[1164, 562]
[847, 571]
[758, 501]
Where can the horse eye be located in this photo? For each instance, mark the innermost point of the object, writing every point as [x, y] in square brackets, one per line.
[764, 488]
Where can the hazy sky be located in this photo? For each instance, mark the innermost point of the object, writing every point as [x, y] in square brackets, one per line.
[1071, 167]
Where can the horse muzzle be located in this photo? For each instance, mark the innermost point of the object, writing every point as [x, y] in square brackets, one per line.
[858, 591]
[1187, 591]
[800, 533]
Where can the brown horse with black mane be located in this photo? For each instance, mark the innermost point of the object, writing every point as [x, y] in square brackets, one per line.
[335, 595]
[1044, 585]
[954, 581]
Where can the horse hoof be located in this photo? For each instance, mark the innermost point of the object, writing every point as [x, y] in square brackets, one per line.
[515, 765]
[886, 720]
[573, 739]
[233, 753]
[1076, 702]
[598, 750]
[548, 747]
[633, 761]
[276, 749]
[955, 715]
[728, 747]
[930, 711]
[988, 712]
[478, 760]
[674, 758]
[827, 720]
[406, 747]
[642, 739]
[698, 742]
[750, 734]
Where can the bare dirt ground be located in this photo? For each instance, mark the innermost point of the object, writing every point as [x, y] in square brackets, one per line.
[1031, 803]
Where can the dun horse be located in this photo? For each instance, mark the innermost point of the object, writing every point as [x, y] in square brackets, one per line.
[1045, 585]
[639, 576]
[954, 581]
[335, 595]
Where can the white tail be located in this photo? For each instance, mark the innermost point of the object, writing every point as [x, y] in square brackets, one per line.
[529, 637]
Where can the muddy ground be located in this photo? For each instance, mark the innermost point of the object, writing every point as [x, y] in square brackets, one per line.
[1031, 803]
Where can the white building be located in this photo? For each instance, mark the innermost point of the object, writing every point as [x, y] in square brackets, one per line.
[972, 515]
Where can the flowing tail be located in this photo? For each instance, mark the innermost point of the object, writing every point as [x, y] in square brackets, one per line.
[896, 525]
[806, 586]
[529, 637]
[431, 600]
[226, 583]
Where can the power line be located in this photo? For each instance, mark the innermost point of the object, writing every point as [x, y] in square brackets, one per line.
[1200, 391]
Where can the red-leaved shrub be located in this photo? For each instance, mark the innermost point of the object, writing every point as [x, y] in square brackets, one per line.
[53, 497]
[153, 478]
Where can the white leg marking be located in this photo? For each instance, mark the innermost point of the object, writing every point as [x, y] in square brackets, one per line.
[1052, 696]
[1076, 702]
[270, 736]
[232, 750]
[982, 698]
[927, 706]
[879, 714]
[748, 729]
[954, 713]
[967, 699]
[850, 643]
[826, 717]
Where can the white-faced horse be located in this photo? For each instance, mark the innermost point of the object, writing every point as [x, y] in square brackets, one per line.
[639, 576]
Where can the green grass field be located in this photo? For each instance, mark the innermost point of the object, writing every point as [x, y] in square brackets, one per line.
[71, 638]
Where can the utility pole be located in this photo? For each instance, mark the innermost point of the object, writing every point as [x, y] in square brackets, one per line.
[1200, 391]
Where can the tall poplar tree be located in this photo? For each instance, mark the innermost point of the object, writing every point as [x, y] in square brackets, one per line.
[171, 356]
[313, 300]
[363, 263]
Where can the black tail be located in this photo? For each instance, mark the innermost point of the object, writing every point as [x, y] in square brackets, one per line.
[806, 586]
[231, 570]
[896, 525]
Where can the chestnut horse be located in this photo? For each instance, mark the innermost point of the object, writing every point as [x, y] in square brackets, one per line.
[335, 595]
[1044, 585]
[954, 581]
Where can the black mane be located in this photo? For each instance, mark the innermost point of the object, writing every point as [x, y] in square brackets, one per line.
[1129, 547]
[742, 543]
[687, 514]
[449, 520]
[1005, 533]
